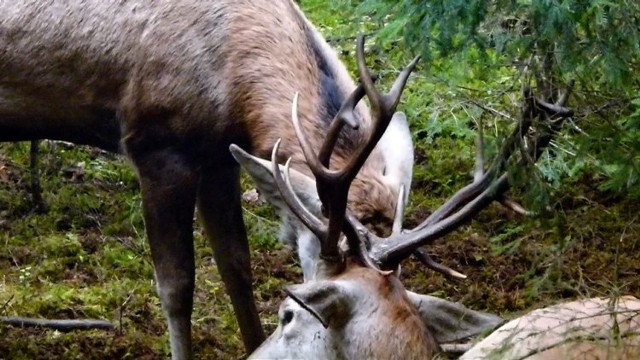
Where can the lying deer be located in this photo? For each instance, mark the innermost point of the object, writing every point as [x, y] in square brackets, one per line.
[355, 307]
[172, 84]
[597, 328]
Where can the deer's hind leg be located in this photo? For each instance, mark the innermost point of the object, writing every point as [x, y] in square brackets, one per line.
[221, 212]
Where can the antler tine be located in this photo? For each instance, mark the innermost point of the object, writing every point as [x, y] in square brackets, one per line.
[359, 238]
[313, 161]
[397, 247]
[291, 199]
[333, 198]
[554, 109]
[562, 100]
[393, 97]
[382, 108]
[482, 181]
[389, 101]
[398, 217]
[319, 164]
[421, 254]
[333, 185]
[345, 115]
[428, 261]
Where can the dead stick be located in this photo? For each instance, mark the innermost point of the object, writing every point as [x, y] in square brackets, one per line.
[58, 324]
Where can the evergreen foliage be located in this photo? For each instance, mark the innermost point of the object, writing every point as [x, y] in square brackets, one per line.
[487, 50]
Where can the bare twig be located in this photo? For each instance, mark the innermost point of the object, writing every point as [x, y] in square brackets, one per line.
[515, 207]
[492, 110]
[121, 312]
[6, 304]
[428, 261]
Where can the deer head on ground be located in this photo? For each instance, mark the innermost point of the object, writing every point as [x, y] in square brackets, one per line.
[355, 306]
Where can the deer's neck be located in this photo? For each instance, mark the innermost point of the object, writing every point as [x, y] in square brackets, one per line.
[280, 61]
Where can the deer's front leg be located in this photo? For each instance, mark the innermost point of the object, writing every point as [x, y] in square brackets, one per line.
[220, 209]
[168, 182]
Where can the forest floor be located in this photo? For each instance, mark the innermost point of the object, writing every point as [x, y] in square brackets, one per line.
[86, 257]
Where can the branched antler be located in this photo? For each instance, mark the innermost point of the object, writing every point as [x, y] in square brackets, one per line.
[333, 185]
[486, 187]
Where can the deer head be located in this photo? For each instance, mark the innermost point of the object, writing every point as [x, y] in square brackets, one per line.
[355, 307]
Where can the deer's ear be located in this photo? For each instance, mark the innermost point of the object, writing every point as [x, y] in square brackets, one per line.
[327, 301]
[260, 171]
[292, 231]
[396, 147]
[449, 321]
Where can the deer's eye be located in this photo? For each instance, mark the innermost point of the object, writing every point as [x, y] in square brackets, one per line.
[286, 317]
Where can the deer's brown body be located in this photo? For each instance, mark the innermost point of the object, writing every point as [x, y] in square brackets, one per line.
[131, 65]
[172, 83]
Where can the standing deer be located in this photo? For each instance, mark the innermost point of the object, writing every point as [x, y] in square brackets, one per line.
[171, 84]
[355, 307]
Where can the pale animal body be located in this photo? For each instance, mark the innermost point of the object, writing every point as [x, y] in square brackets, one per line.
[596, 328]
[171, 83]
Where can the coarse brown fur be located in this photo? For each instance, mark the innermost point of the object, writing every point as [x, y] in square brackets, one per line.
[290, 70]
[145, 69]
[403, 326]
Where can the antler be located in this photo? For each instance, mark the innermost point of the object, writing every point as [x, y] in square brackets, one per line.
[487, 186]
[333, 185]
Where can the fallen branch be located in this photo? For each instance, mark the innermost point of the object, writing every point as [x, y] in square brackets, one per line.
[58, 324]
